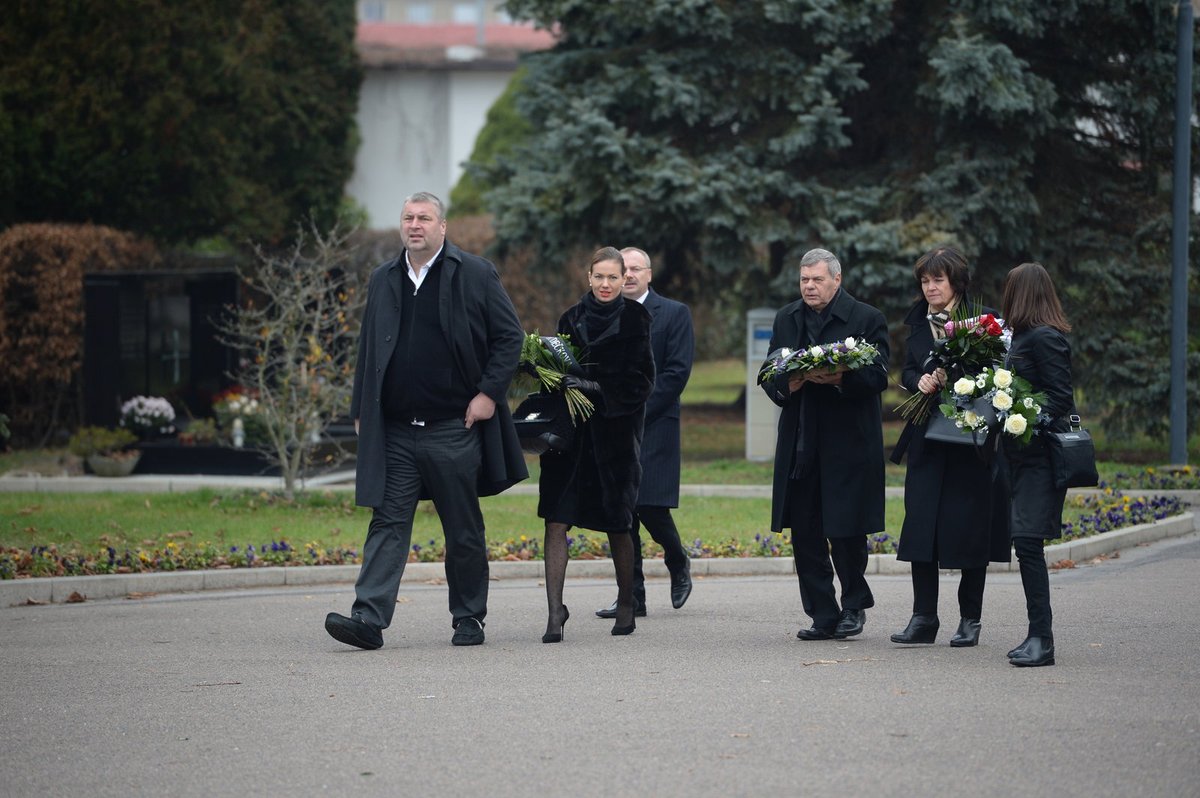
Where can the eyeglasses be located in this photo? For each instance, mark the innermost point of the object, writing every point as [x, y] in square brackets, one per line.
[636, 269]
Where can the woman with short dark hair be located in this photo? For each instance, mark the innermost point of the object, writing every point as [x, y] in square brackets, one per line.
[951, 492]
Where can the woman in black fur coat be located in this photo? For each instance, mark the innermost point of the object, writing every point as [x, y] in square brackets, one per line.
[595, 484]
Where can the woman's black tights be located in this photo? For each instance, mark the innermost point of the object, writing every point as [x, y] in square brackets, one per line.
[1035, 578]
[620, 546]
[554, 551]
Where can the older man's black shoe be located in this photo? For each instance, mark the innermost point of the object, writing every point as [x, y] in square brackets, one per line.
[353, 632]
[681, 587]
[1037, 651]
[815, 633]
[468, 632]
[850, 624]
[610, 612]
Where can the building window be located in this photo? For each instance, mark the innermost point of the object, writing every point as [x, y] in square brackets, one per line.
[370, 11]
[420, 13]
[466, 13]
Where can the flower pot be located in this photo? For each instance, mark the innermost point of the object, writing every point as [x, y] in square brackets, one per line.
[108, 466]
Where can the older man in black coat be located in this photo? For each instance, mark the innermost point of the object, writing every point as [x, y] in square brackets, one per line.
[674, 345]
[828, 483]
[439, 344]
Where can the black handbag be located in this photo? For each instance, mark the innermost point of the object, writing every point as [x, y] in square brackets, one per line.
[943, 430]
[1073, 457]
[544, 424]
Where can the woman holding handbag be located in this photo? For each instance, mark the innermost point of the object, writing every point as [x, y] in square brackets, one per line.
[1040, 353]
[946, 485]
[594, 484]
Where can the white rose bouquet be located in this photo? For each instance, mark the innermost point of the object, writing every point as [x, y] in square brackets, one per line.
[1018, 408]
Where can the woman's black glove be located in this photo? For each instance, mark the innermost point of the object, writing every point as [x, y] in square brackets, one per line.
[589, 388]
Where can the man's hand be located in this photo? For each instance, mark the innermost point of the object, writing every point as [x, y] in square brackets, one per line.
[825, 377]
[795, 381]
[482, 408]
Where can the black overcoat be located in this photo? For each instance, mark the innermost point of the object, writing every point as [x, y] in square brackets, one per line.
[484, 338]
[1041, 355]
[595, 485]
[953, 495]
[847, 421]
[674, 345]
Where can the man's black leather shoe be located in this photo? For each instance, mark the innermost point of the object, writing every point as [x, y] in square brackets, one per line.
[815, 633]
[468, 632]
[681, 587]
[353, 632]
[967, 634]
[1034, 653]
[920, 629]
[610, 612]
[851, 623]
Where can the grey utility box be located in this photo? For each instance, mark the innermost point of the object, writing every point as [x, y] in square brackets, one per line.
[762, 415]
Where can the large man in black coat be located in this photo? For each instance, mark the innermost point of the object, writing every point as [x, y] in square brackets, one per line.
[438, 347]
[674, 345]
[828, 482]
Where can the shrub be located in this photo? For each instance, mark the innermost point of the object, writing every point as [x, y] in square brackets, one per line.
[41, 318]
[88, 441]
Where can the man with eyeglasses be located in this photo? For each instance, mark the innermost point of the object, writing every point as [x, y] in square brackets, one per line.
[672, 341]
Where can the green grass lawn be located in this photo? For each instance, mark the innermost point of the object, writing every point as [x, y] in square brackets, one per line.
[88, 522]
[715, 382]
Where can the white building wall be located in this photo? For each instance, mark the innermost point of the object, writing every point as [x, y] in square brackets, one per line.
[417, 128]
[472, 94]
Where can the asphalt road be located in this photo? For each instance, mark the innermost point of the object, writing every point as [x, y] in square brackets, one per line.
[242, 693]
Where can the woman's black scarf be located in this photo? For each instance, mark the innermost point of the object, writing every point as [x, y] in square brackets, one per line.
[601, 319]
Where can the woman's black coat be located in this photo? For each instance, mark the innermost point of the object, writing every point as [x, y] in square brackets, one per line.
[1041, 355]
[955, 499]
[595, 485]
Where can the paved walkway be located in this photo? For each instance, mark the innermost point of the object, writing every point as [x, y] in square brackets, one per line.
[236, 693]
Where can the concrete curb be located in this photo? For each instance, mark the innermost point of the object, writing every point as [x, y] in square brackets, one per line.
[59, 589]
[156, 483]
